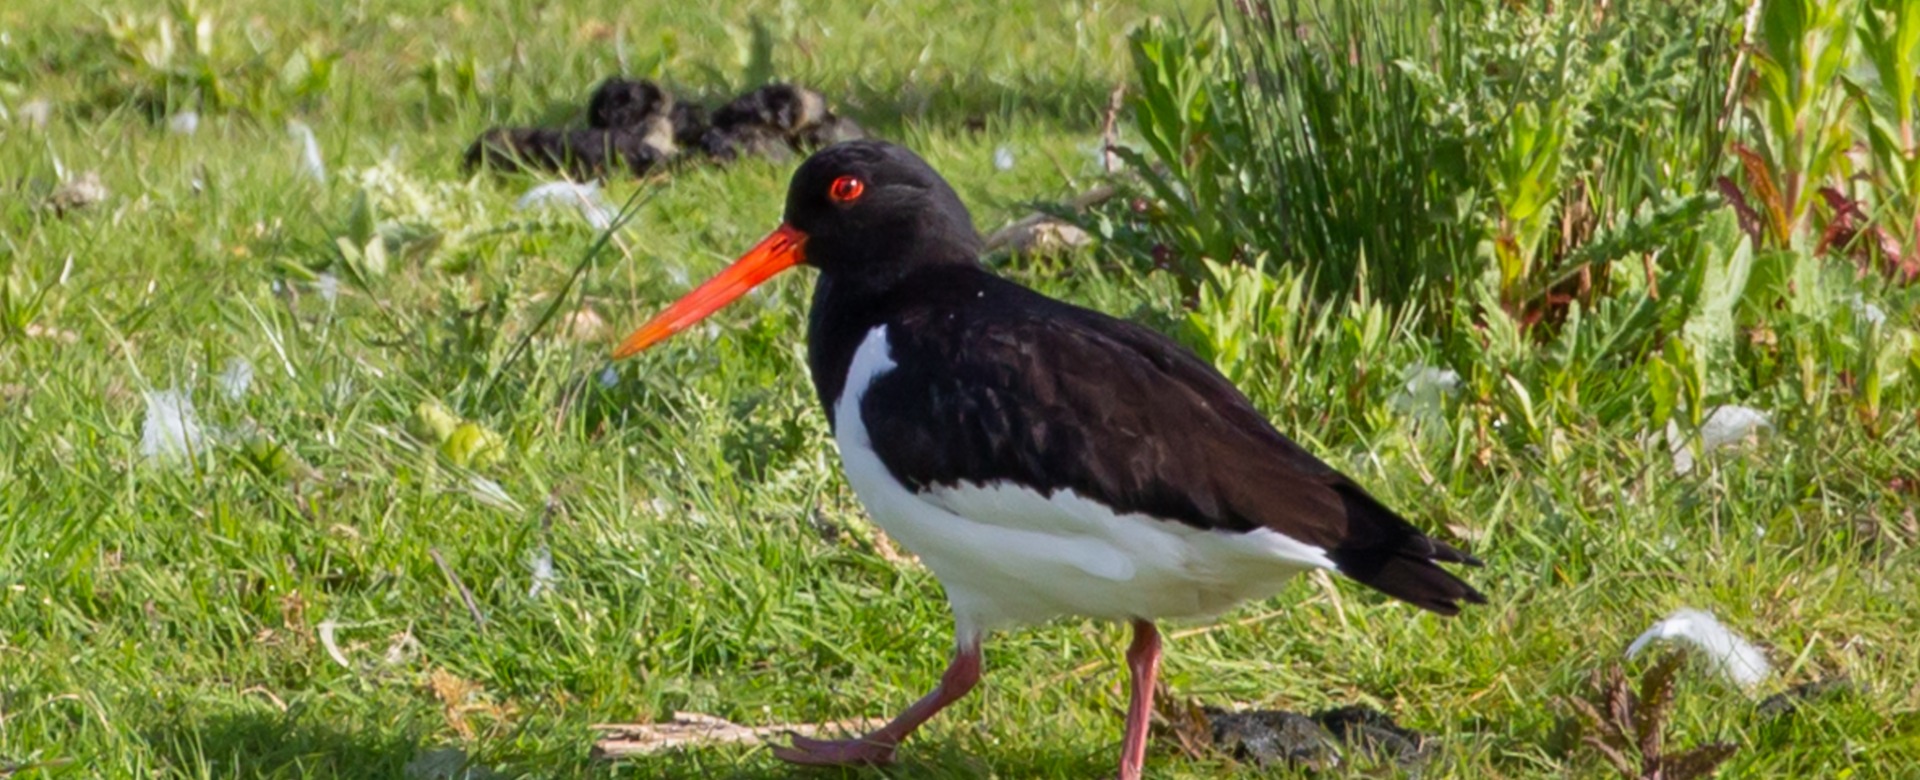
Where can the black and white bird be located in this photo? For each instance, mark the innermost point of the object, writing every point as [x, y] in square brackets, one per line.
[1042, 459]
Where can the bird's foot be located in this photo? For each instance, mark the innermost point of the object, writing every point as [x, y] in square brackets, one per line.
[836, 752]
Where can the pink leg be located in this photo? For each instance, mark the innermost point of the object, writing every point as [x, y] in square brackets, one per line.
[1143, 658]
[878, 747]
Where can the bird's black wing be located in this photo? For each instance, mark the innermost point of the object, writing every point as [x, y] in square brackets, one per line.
[1016, 387]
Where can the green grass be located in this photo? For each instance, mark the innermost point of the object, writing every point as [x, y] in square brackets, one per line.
[165, 620]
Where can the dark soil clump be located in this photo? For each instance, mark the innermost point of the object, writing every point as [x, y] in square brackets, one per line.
[636, 126]
[1323, 740]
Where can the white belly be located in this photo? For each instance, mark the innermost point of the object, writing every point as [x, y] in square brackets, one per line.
[1010, 555]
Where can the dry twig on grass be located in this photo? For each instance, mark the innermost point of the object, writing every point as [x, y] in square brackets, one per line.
[692, 729]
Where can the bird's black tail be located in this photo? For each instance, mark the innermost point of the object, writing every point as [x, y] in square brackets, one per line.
[1388, 554]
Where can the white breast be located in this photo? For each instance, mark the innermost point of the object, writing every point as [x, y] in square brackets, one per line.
[1011, 555]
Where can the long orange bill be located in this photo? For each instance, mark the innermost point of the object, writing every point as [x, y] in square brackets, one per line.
[778, 252]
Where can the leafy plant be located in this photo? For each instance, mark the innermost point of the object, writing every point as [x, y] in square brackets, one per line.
[1798, 107]
[1426, 152]
[1273, 136]
[21, 299]
[1622, 725]
[1889, 37]
[451, 82]
[1829, 148]
[187, 57]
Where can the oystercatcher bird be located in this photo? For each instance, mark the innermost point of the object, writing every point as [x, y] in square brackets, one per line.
[1044, 460]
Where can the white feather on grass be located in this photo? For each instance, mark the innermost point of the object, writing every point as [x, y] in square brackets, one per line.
[236, 378]
[542, 564]
[678, 274]
[184, 123]
[584, 198]
[1729, 424]
[1722, 426]
[332, 646]
[172, 430]
[1730, 653]
[489, 492]
[35, 113]
[1866, 311]
[1003, 159]
[402, 649]
[310, 161]
[1425, 391]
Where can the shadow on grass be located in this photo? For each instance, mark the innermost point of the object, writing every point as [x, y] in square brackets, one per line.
[276, 745]
[267, 744]
[937, 759]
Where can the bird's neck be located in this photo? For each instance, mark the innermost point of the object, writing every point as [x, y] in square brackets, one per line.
[846, 307]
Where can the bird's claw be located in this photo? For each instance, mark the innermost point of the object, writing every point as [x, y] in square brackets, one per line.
[835, 752]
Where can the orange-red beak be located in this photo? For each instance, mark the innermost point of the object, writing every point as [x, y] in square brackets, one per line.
[778, 252]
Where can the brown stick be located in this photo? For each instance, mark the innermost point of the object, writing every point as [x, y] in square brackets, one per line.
[473, 607]
[691, 729]
[1106, 126]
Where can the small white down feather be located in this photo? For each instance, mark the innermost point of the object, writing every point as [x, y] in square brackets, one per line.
[1730, 653]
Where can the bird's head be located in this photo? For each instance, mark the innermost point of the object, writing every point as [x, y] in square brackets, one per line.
[865, 212]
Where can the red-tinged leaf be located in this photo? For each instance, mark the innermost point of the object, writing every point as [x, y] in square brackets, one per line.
[1698, 762]
[1908, 270]
[1760, 176]
[1590, 719]
[1186, 724]
[1750, 222]
[1843, 206]
[1841, 229]
[1618, 759]
[1617, 697]
[1656, 697]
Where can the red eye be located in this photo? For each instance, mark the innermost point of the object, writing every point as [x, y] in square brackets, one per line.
[846, 189]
